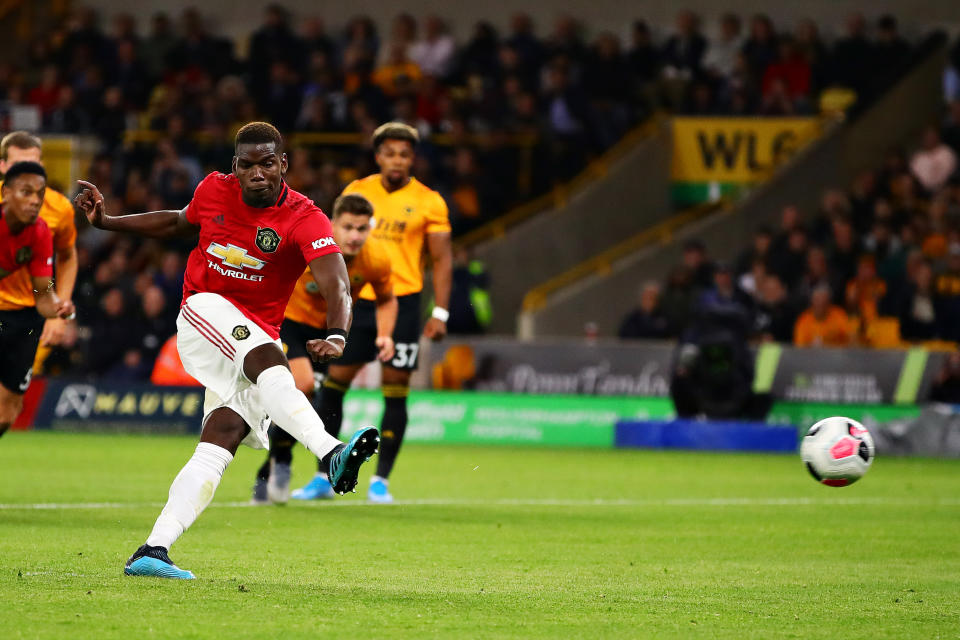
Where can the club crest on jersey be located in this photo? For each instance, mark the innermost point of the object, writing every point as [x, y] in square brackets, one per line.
[23, 256]
[240, 332]
[267, 239]
[234, 256]
[312, 287]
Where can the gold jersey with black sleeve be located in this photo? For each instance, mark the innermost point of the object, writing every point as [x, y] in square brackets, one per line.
[403, 218]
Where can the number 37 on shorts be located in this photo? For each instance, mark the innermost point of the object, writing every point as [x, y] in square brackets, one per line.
[406, 356]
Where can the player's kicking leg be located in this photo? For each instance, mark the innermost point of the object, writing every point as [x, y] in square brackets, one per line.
[273, 477]
[212, 357]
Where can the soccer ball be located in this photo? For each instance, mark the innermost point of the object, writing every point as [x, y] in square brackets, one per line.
[837, 451]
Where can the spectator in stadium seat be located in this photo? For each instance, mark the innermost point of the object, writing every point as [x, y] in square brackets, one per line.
[816, 274]
[720, 58]
[159, 45]
[434, 52]
[890, 51]
[917, 306]
[862, 200]
[647, 320]
[888, 251]
[696, 263]
[699, 100]
[398, 75]
[565, 41]
[810, 45]
[604, 71]
[947, 290]
[643, 59]
[934, 163]
[481, 53]
[773, 315]
[789, 219]
[113, 333]
[723, 299]
[169, 278]
[760, 48]
[68, 116]
[777, 101]
[683, 52]
[44, 96]
[156, 324]
[793, 72]
[845, 249]
[751, 282]
[823, 324]
[851, 60]
[789, 263]
[865, 290]
[523, 40]
[758, 250]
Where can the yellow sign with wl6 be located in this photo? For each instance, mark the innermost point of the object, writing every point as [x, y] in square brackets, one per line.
[736, 150]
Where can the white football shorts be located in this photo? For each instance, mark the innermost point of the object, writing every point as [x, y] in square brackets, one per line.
[213, 338]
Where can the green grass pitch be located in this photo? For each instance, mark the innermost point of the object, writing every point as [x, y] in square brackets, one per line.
[489, 542]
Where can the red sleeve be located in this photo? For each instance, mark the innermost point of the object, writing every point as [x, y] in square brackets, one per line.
[41, 264]
[202, 192]
[314, 235]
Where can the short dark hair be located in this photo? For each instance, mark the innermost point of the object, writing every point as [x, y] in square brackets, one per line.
[20, 140]
[24, 168]
[258, 133]
[352, 203]
[395, 131]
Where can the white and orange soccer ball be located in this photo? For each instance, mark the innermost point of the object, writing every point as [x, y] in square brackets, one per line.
[837, 451]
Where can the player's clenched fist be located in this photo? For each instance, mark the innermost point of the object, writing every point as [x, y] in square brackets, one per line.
[90, 201]
[324, 350]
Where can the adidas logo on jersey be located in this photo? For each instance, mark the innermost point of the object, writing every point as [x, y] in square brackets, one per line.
[322, 242]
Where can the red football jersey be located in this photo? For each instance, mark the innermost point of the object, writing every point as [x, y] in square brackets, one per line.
[253, 257]
[31, 248]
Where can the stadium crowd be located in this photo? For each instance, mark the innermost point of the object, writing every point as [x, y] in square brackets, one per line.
[181, 90]
[876, 265]
[163, 102]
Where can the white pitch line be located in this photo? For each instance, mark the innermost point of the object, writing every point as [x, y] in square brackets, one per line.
[524, 502]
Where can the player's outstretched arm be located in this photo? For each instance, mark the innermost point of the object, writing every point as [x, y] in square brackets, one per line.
[155, 224]
[49, 304]
[330, 274]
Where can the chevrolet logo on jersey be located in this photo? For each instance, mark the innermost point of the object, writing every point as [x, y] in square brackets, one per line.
[234, 256]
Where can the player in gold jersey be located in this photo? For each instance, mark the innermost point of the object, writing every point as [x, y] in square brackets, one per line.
[305, 319]
[409, 217]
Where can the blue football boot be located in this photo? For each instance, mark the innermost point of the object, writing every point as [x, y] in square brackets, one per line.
[346, 460]
[319, 488]
[154, 561]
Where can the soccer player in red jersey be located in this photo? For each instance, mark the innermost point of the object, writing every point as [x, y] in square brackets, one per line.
[25, 243]
[256, 237]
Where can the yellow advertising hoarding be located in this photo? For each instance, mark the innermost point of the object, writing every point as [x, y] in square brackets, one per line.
[736, 150]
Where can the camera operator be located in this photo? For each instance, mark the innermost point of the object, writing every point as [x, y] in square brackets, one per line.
[713, 368]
